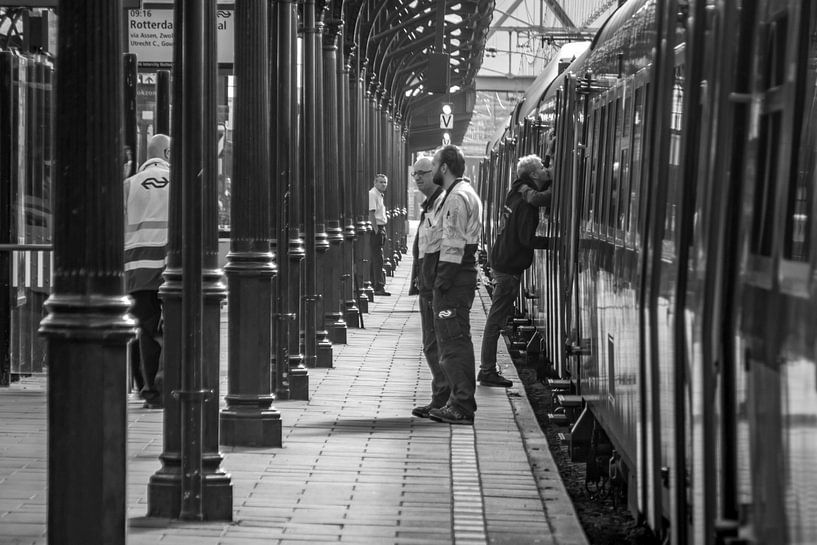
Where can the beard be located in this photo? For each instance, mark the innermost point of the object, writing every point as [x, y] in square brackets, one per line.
[438, 179]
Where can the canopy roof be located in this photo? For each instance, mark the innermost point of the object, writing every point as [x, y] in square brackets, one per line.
[398, 46]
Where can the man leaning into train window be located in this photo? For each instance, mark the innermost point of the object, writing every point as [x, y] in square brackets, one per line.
[511, 254]
[539, 193]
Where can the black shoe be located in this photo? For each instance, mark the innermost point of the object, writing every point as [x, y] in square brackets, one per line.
[153, 405]
[493, 378]
[382, 292]
[450, 415]
[422, 411]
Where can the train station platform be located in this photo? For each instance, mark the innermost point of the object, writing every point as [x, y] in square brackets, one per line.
[355, 466]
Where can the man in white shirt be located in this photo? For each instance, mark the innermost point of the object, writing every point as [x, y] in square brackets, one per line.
[377, 216]
[426, 255]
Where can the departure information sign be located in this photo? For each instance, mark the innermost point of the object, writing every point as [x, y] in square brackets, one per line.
[150, 35]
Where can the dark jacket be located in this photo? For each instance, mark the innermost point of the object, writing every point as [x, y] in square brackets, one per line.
[516, 238]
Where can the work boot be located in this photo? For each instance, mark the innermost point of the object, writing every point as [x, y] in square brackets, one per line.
[450, 415]
[423, 410]
[493, 378]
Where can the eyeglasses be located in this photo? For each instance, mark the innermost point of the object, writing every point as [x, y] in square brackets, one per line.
[418, 173]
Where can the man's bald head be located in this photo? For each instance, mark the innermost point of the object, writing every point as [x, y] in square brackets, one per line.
[159, 147]
[422, 176]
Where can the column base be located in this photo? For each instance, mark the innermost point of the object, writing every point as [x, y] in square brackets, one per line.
[324, 355]
[337, 331]
[299, 384]
[351, 314]
[363, 301]
[253, 428]
[165, 496]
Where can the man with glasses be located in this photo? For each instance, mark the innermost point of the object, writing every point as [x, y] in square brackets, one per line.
[378, 218]
[511, 254]
[426, 253]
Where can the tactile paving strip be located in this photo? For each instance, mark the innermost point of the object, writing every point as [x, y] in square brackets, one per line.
[468, 510]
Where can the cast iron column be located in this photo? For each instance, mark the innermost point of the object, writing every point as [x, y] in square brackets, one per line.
[310, 298]
[351, 312]
[363, 286]
[292, 379]
[162, 117]
[323, 264]
[249, 419]
[291, 149]
[190, 484]
[88, 325]
[368, 149]
[131, 122]
[333, 288]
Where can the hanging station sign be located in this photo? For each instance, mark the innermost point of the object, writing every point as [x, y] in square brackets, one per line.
[150, 34]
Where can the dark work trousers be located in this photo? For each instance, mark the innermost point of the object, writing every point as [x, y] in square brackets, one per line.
[440, 390]
[452, 324]
[378, 274]
[135, 367]
[506, 289]
[147, 309]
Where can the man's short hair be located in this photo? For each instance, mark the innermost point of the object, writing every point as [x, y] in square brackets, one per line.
[377, 176]
[452, 156]
[526, 165]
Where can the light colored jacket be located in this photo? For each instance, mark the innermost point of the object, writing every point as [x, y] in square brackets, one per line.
[461, 216]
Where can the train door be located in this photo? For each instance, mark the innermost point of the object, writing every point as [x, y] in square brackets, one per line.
[569, 167]
[658, 280]
[706, 510]
[776, 374]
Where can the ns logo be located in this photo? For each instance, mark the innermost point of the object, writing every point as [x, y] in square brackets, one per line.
[155, 183]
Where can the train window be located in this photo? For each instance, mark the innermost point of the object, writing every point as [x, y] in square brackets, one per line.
[674, 172]
[769, 140]
[614, 147]
[774, 74]
[605, 169]
[597, 123]
[763, 215]
[624, 162]
[798, 214]
[639, 107]
[798, 217]
[601, 170]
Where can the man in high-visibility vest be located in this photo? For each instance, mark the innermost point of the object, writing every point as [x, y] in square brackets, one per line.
[146, 211]
[455, 280]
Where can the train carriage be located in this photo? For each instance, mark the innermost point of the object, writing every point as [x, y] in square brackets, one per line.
[677, 291]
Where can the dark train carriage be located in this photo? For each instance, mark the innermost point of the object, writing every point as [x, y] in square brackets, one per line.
[677, 292]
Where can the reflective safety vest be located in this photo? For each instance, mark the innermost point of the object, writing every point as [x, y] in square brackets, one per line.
[146, 210]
